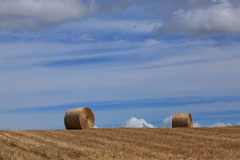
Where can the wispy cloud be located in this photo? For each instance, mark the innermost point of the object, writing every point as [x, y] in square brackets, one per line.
[148, 69]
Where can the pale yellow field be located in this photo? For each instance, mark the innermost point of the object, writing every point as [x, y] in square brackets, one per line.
[122, 143]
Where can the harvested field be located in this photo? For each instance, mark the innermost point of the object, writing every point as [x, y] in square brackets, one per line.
[122, 143]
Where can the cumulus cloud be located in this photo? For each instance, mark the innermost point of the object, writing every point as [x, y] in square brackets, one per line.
[215, 18]
[32, 14]
[136, 123]
[196, 125]
[167, 122]
[219, 124]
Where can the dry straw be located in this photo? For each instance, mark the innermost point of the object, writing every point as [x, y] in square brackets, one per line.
[79, 118]
[182, 120]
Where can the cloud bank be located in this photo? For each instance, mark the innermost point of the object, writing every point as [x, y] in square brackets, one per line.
[136, 123]
[219, 17]
[32, 14]
[192, 17]
[35, 14]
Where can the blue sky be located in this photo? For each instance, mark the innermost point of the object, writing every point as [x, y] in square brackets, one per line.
[123, 59]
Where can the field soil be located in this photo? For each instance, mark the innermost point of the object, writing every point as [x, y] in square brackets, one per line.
[122, 143]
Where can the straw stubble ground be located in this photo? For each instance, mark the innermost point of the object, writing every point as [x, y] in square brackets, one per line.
[122, 143]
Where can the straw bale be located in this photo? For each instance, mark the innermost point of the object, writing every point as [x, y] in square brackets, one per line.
[182, 120]
[79, 118]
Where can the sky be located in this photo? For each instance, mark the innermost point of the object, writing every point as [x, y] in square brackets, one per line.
[132, 62]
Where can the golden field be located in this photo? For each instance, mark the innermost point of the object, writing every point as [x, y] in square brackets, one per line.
[122, 143]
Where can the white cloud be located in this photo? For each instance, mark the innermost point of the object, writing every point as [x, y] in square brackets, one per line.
[95, 126]
[196, 125]
[219, 124]
[220, 17]
[34, 14]
[167, 122]
[136, 123]
[238, 124]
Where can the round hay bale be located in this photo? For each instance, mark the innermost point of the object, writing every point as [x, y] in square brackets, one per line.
[79, 118]
[182, 120]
